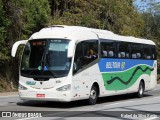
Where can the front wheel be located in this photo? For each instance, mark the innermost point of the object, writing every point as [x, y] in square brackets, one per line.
[140, 92]
[93, 96]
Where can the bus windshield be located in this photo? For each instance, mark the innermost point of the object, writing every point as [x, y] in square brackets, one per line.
[46, 58]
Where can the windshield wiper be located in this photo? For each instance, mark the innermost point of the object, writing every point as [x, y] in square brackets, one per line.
[52, 73]
[45, 64]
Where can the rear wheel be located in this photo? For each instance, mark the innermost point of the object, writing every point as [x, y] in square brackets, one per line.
[140, 92]
[93, 96]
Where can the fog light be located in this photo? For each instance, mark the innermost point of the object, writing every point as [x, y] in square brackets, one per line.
[21, 87]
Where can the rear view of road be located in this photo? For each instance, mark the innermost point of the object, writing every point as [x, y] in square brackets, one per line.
[114, 107]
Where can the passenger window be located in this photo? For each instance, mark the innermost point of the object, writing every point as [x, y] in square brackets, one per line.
[90, 50]
[136, 51]
[86, 52]
[78, 58]
[153, 52]
[124, 50]
[107, 49]
[147, 52]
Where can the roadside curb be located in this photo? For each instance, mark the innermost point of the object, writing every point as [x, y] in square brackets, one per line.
[9, 93]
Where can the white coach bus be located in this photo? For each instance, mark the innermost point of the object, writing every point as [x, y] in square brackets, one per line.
[68, 63]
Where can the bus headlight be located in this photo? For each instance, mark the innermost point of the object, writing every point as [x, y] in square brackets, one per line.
[64, 88]
[21, 87]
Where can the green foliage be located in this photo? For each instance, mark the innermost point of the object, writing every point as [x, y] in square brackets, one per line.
[36, 15]
[151, 16]
[18, 20]
[118, 16]
[4, 24]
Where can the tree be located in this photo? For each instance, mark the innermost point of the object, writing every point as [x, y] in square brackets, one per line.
[150, 10]
[121, 17]
[4, 24]
[117, 16]
[151, 16]
[18, 20]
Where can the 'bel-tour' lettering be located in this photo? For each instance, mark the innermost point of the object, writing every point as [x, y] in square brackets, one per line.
[113, 65]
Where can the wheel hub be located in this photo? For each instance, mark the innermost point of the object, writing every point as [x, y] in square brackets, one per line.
[93, 94]
[141, 90]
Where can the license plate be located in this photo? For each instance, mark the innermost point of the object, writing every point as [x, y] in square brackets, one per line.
[40, 95]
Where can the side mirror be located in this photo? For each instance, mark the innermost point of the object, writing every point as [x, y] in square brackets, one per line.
[15, 46]
[71, 49]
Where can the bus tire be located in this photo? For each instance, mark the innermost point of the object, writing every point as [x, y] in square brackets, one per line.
[93, 96]
[140, 92]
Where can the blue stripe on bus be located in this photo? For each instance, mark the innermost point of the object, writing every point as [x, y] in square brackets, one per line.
[113, 65]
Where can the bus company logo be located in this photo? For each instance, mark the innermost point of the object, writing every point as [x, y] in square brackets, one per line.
[30, 82]
[116, 65]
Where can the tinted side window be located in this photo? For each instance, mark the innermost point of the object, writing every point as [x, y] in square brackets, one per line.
[86, 52]
[78, 57]
[124, 50]
[147, 52]
[136, 51]
[107, 49]
[153, 52]
[90, 50]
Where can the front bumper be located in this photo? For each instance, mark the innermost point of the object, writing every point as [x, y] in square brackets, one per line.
[41, 95]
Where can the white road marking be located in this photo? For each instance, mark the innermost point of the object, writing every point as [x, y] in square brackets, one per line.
[118, 103]
[157, 88]
[156, 97]
[131, 101]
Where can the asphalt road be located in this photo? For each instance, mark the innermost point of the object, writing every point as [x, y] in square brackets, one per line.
[126, 107]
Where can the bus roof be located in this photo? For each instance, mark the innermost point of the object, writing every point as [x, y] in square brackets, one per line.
[79, 33]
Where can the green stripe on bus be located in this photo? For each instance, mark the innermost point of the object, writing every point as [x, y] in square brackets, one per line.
[124, 80]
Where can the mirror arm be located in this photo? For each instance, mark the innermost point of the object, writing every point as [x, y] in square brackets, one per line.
[70, 49]
[15, 47]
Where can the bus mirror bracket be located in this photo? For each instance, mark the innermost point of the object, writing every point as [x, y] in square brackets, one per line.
[71, 49]
[15, 46]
